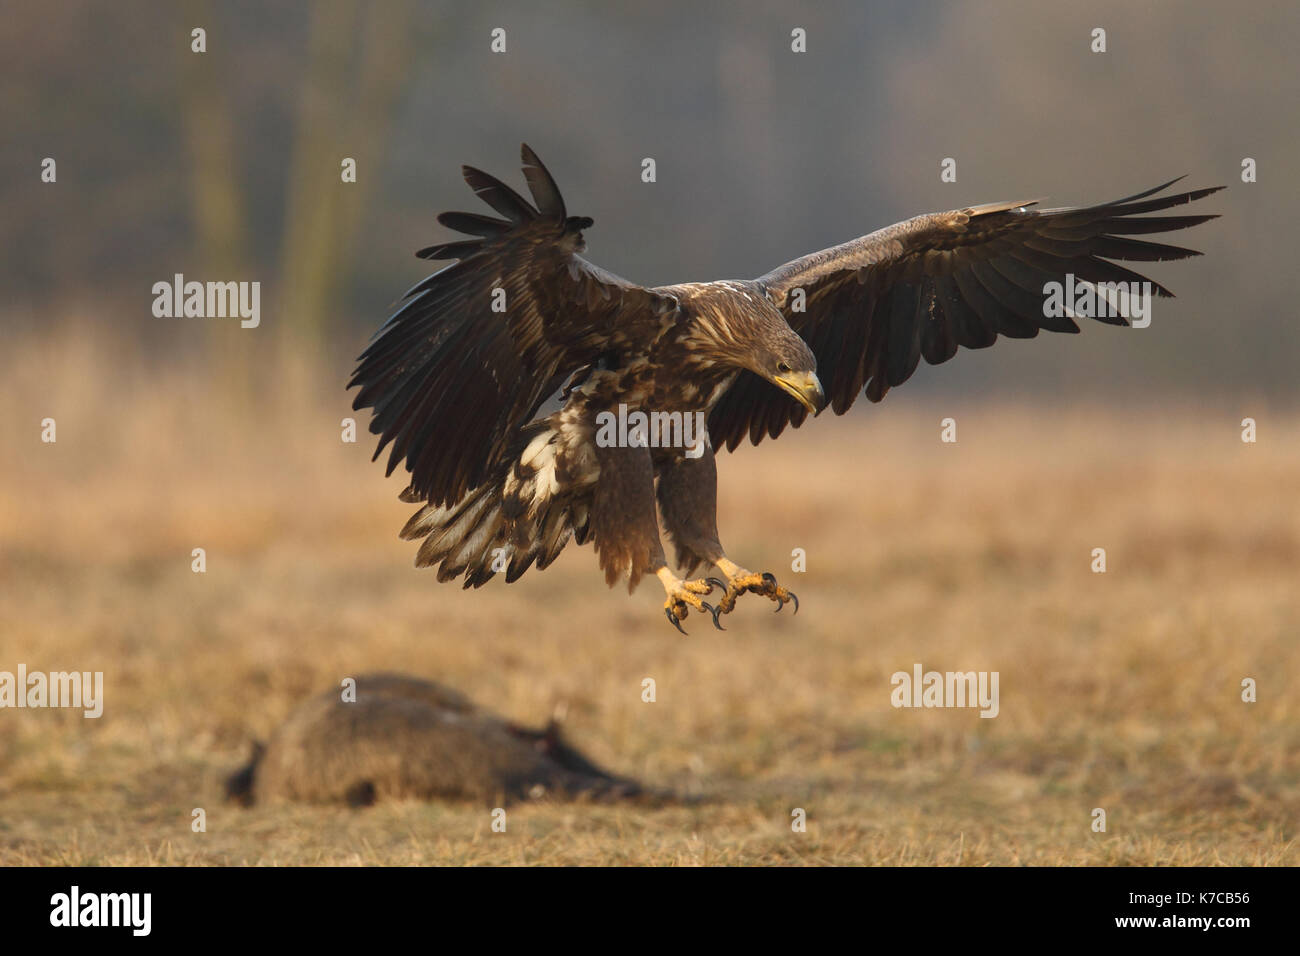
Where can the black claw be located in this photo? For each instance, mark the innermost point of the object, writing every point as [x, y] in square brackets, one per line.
[716, 583]
[769, 579]
[779, 604]
[673, 617]
[714, 611]
[793, 597]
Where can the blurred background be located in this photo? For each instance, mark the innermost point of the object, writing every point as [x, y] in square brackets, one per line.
[226, 164]
[1120, 690]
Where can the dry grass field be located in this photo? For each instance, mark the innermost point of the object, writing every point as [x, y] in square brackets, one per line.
[1119, 690]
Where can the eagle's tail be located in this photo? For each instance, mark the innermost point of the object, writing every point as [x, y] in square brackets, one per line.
[519, 516]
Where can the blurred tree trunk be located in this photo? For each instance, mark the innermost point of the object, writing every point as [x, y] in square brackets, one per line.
[218, 204]
[358, 62]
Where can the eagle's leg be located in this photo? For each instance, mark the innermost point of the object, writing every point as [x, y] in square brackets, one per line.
[626, 530]
[688, 501]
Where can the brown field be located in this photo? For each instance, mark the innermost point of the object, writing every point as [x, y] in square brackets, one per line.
[1118, 690]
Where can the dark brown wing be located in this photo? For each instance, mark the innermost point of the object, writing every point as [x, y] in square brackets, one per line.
[919, 289]
[450, 379]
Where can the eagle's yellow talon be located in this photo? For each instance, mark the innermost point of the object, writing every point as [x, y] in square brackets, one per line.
[684, 595]
[764, 584]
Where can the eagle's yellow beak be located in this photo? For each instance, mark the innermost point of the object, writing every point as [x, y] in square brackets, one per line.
[805, 387]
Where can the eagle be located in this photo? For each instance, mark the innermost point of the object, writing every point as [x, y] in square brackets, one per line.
[535, 398]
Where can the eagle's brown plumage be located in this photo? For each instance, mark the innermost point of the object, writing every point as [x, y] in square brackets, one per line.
[458, 376]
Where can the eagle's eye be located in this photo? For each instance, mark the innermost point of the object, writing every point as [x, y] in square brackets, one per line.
[782, 368]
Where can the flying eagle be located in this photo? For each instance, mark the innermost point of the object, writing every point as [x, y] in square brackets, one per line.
[457, 377]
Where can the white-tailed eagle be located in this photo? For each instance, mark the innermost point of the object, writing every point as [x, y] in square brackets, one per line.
[458, 375]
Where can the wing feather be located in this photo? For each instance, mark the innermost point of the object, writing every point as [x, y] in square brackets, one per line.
[923, 288]
[451, 378]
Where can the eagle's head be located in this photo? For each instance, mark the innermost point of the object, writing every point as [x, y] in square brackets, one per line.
[786, 361]
[741, 327]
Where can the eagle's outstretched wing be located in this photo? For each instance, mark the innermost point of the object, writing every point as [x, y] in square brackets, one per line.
[476, 348]
[875, 306]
